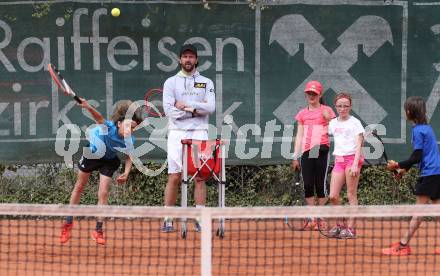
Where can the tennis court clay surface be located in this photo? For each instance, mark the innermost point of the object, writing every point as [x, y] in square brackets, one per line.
[250, 247]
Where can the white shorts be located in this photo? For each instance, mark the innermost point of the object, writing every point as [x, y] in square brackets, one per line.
[174, 150]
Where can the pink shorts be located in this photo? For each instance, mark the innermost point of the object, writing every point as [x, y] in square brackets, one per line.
[344, 162]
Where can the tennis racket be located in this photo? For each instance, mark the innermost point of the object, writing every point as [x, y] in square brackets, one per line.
[298, 224]
[154, 103]
[324, 224]
[61, 82]
[398, 173]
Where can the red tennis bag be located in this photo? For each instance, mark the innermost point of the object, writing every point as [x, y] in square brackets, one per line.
[203, 157]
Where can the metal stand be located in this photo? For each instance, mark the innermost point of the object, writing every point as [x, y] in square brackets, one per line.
[203, 159]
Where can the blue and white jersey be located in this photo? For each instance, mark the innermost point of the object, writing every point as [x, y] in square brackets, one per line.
[196, 91]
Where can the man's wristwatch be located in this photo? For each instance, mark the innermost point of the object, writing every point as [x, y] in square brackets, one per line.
[295, 156]
[193, 112]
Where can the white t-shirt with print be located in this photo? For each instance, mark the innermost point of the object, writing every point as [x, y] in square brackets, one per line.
[345, 134]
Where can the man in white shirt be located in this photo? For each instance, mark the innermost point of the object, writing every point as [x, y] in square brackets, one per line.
[188, 99]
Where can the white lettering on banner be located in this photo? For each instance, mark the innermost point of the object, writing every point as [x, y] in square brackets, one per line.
[96, 40]
[240, 146]
[33, 110]
[104, 49]
[73, 142]
[268, 138]
[61, 53]
[378, 147]
[221, 43]
[227, 113]
[17, 119]
[374, 151]
[287, 142]
[5, 42]
[112, 52]
[157, 138]
[76, 39]
[45, 46]
[169, 54]
[98, 143]
[59, 115]
[4, 132]
[316, 132]
[434, 96]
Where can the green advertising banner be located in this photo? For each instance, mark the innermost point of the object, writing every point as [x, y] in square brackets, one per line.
[259, 55]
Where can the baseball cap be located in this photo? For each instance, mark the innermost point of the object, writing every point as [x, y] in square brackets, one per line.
[188, 47]
[314, 86]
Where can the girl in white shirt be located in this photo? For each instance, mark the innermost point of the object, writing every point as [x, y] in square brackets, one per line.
[348, 138]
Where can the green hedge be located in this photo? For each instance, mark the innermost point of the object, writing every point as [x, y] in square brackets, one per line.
[247, 186]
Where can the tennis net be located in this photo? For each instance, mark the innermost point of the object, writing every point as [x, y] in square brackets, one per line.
[256, 241]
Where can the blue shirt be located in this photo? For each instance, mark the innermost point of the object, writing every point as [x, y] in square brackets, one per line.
[423, 138]
[98, 139]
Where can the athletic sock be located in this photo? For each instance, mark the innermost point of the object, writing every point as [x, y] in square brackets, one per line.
[199, 220]
[168, 220]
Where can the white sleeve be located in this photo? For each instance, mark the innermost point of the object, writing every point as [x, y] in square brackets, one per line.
[169, 100]
[358, 128]
[331, 126]
[208, 105]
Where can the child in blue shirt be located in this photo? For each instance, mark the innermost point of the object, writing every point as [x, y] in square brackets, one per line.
[104, 139]
[426, 154]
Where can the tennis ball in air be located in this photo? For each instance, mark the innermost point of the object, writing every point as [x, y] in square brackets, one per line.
[116, 12]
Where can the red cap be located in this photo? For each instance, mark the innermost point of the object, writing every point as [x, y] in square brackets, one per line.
[314, 86]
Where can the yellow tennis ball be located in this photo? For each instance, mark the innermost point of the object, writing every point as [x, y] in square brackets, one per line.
[116, 12]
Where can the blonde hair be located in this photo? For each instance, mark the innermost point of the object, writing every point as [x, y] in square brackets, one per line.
[120, 111]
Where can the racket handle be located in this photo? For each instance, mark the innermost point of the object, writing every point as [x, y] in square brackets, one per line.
[77, 99]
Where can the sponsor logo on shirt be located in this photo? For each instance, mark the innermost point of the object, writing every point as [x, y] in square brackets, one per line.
[199, 85]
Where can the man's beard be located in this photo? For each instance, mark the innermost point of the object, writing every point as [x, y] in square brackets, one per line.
[188, 70]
